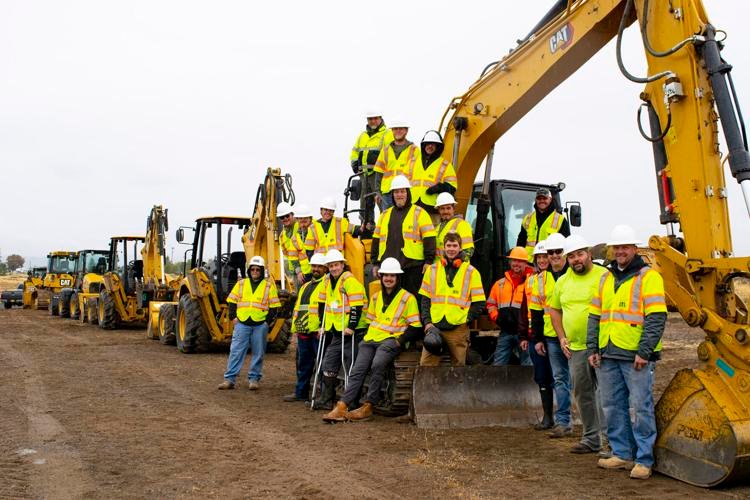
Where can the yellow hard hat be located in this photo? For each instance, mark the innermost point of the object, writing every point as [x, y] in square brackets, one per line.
[518, 253]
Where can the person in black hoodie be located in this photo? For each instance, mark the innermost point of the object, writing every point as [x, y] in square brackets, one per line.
[438, 175]
[538, 225]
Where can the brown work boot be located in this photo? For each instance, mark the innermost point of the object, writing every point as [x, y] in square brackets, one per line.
[364, 412]
[338, 414]
[640, 472]
[226, 385]
[253, 385]
[614, 462]
[559, 431]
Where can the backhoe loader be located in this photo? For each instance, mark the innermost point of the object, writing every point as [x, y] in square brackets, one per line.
[118, 284]
[34, 280]
[60, 274]
[89, 267]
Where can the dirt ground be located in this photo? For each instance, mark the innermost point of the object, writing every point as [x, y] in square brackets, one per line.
[99, 414]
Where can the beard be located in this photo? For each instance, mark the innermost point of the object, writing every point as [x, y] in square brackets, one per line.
[579, 268]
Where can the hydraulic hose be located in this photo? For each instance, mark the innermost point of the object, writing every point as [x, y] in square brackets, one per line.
[647, 44]
[620, 64]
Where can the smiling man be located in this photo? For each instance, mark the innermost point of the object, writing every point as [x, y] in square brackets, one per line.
[544, 221]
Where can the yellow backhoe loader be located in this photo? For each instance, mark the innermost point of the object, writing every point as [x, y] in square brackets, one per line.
[60, 274]
[90, 266]
[34, 280]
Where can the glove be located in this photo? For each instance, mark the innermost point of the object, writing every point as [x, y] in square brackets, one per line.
[301, 324]
[432, 189]
[356, 166]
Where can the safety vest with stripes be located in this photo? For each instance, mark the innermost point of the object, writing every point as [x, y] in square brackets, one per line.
[339, 300]
[320, 241]
[452, 303]
[622, 311]
[504, 295]
[416, 227]
[254, 304]
[401, 313]
[369, 146]
[437, 172]
[405, 164]
[293, 249]
[543, 284]
[536, 233]
[455, 225]
[300, 309]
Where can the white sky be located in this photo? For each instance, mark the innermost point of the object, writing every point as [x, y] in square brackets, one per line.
[118, 106]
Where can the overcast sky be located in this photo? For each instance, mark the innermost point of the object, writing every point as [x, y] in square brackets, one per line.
[107, 108]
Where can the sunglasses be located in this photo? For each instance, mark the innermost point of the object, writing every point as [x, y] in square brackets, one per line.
[554, 252]
[285, 217]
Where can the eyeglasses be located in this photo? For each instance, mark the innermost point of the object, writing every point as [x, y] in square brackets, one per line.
[555, 252]
[285, 217]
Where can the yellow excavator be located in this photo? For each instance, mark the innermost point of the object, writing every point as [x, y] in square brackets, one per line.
[703, 417]
[60, 274]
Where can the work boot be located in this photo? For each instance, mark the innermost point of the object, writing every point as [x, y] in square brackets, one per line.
[364, 412]
[226, 385]
[548, 420]
[291, 398]
[580, 449]
[640, 472]
[327, 394]
[614, 462]
[253, 385]
[559, 431]
[338, 414]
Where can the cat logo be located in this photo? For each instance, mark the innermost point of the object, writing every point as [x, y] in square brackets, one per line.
[561, 39]
[65, 282]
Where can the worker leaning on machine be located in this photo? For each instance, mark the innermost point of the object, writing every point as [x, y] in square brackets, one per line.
[538, 225]
[450, 222]
[326, 233]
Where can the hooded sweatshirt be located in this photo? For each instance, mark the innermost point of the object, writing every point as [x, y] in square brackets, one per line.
[541, 216]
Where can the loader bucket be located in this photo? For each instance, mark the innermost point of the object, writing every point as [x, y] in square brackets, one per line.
[703, 430]
[463, 397]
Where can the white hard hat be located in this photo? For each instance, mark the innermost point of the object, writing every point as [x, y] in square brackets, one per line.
[554, 241]
[390, 266]
[540, 249]
[329, 203]
[318, 259]
[400, 182]
[399, 124]
[444, 199]
[256, 261]
[373, 113]
[302, 211]
[575, 242]
[283, 209]
[432, 136]
[334, 256]
[622, 234]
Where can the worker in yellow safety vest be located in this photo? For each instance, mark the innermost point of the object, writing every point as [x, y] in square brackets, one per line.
[626, 322]
[437, 174]
[400, 157]
[394, 322]
[365, 153]
[253, 303]
[292, 247]
[327, 233]
[545, 220]
[304, 217]
[451, 296]
[452, 223]
[340, 303]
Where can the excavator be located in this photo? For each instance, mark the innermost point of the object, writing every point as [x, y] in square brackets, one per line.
[689, 101]
[60, 274]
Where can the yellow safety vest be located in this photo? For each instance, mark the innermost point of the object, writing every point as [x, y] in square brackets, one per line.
[622, 312]
[338, 305]
[455, 225]
[254, 304]
[293, 249]
[535, 234]
[452, 303]
[543, 284]
[321, 241]
[391, 166]
[401, 313]
[367, 144]
[416, 227]
[437, 172]
[313, 321]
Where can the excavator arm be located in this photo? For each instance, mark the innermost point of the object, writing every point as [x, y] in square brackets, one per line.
[703, 417]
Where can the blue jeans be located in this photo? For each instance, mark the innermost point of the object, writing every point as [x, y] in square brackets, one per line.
[506, 345]
[623, 387]
[242, 337]
[307, 349]
[561, 374]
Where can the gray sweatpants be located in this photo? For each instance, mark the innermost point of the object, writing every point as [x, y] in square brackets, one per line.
[586, 394]
[373, 357]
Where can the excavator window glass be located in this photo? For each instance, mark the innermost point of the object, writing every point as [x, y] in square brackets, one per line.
[62, 264]
[515, 204]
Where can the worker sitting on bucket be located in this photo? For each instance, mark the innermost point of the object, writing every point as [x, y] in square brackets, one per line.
[452, 222]
[504, 307]
[451, 296]
[394, 321]
[340, 304]
[327, 233]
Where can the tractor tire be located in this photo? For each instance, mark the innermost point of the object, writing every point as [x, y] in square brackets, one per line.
[166, 326]
[63, 304]
[106, 311]
[75, 311]
[192, 333]
[92, 311]
[8, 304]
[52, 307]
[282, 340]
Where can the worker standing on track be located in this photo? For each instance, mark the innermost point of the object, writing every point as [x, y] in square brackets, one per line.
[450, 222]
[365, 153]
[252, 303]
[306, 327]
[451, 296]
[504, 308]
[569, 311]
[437, 174]
[626, 322]
[295, 258]
[394, 321]
[340, 303]
[538, 225]
[400, 157]
[404, 232]
[327, 233]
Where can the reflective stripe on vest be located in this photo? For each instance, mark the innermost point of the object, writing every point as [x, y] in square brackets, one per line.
[322, 244]
[413, 244]
[389, 173]
[397, 324]
[632, 315]
[536, 233]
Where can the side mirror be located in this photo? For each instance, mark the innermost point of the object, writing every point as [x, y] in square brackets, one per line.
[574, 213]
[354, 191]
[180, 235]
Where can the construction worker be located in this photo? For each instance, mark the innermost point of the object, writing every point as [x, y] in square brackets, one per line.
[304, 220]
[253, 303]
[306, 327]
[404, 232]
[451, 296]
[394, 321]
[551, 370]
[340, 303]
[327, 232]
[625, 326]
[450, 222]
[504, 308]
[295, 258]
[535, 299]
[569, 312]
[400, 157]
[437, 174]
[365, 153]
[545, 220]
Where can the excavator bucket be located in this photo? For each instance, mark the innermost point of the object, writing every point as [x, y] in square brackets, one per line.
[703, 429]
[463, 397]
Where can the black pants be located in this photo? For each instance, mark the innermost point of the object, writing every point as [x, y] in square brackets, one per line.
[411, 280]
[332, 358]
[373, 357]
